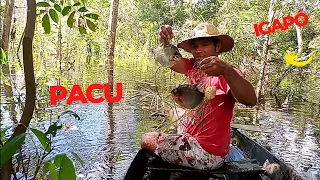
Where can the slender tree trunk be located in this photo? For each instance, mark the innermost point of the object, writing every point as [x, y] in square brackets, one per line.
[29, 81]
[113, 18]
[300, 48]
[5, 46]
[299, 39]
[89, 53]
[289, 69]
[60, 50]
[260, 89]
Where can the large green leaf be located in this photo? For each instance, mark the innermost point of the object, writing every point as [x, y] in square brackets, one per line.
[91, 25]
[45, 142]
[67, 170]
[57, 7]
[45, 167]
[82, 30]
[83, 9]
[54, 15]
[57, 160]
[66, 10]
[49, 166]
[46, 23]
[11, 147]
[92, 16]
[3, 57]
[71, 20]
[43, 4]
[77, 157]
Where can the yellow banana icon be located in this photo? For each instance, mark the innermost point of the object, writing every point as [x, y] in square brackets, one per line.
[292, 59]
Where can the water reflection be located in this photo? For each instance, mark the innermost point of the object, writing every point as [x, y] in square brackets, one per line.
[108, 134]
[110, 156]
[293, 138]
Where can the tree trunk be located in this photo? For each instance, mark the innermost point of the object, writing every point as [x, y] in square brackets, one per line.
[289, 69]
[260, 89]
[29, 81]
[300, 48]
[60, 51]
[299, 39]
[111, 42]
[5, 46]
[89, 53]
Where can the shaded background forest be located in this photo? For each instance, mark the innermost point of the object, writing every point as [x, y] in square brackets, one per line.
[69, 56]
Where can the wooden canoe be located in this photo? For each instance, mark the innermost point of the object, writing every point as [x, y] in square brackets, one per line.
[257, 164]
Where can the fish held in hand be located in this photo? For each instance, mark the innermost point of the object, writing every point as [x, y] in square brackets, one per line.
[190, 97]
[167, 55]
[187, 96]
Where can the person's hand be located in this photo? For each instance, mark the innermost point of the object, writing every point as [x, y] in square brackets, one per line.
[165, 33]
[213, 66]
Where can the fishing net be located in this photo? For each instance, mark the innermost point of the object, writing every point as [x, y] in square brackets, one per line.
[178, 115]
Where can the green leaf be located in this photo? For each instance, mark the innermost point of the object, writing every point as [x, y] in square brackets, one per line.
[77, 157]
[49, 166]
[46, 23]
[3, 57]
[43, 4]
[45, 142]
[67, 169]
[11, 147]
[83, 9]
[45, 167]
[57, 7]
[70, 20]
[57, 160]
[92, 16]
[53, 1]
[77, 4]
[82, 30]
[91, 25]
[53, 129]
[66, 10]
[54, 15]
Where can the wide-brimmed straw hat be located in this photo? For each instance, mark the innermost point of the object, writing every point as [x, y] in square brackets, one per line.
[207, 30]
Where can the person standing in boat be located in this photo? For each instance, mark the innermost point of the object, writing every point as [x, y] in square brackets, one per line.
[203, 146]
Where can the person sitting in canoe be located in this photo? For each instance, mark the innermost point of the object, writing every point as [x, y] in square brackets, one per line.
[203, 145]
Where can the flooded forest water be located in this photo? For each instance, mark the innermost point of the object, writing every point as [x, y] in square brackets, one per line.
[108, 135]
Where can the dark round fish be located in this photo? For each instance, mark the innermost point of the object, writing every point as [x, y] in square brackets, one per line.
[167, 54]
[187, 96]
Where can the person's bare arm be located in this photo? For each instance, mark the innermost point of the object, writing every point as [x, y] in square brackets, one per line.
[241, 89]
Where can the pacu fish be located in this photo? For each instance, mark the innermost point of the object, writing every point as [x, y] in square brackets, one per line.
[189, 96]
[167, 54]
